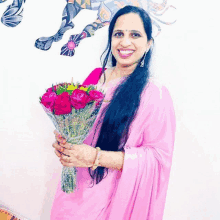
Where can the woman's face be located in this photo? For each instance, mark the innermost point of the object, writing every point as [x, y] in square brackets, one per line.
[129, 40]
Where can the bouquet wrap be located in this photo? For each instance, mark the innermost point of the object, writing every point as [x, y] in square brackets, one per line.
[73, 115]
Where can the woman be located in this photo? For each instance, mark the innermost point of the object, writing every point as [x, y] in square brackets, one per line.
[134, 130]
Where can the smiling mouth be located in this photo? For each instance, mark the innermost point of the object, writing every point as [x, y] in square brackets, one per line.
[125, 53]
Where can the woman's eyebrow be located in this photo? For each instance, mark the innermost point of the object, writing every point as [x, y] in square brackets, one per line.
[127, 30]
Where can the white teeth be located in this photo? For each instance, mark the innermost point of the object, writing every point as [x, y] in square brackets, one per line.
[126, 51]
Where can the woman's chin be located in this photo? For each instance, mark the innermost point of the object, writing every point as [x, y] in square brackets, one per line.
[126, 64]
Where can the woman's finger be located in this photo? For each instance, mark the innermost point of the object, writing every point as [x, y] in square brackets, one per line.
[66, 164]
[57, 134]
[54, 144]
[66, 146]
[66, 159]
[61, 140]
[60, 149]
[57, 146]
[57, 153]
[59, 137]
[67, 152]
[72, 163]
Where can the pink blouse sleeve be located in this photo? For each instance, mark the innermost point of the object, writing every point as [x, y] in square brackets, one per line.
[142, 188]
[93, 77]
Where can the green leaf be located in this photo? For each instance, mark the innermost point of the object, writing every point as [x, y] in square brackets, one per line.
[70, 92]
[66, 87]
[90, 88]
[60, 90]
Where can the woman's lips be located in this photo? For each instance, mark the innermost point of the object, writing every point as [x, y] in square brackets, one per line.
[125, 53]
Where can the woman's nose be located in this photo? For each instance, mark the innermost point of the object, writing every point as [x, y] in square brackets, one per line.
[125, 41]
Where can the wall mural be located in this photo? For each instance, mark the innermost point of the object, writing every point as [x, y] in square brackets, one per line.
[105, 11]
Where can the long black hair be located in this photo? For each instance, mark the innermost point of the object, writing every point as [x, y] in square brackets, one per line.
[125, 101]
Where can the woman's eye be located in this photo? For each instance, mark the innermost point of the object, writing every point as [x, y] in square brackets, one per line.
[135, 35]
[118, 34]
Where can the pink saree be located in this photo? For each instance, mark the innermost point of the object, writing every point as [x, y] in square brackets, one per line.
[138, 192]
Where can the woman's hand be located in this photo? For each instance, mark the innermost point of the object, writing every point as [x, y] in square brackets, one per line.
[72, 155]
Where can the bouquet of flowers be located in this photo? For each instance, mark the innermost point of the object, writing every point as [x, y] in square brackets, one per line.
[73, 110]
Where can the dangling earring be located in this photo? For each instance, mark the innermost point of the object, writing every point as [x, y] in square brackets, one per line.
[142, 62]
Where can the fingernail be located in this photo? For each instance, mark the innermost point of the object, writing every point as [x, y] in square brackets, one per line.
[61, 149]
[63, 141]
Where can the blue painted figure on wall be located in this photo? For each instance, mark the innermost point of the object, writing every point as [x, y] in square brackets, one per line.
[105, 11]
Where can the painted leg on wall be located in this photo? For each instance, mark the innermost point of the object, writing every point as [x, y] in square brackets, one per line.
[13, 14]
[70, 11]
[69, 48]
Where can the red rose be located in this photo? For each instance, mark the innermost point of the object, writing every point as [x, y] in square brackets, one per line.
[62, 104]
[48, 100]
[51, 90]
[79, 99]
[96, 95]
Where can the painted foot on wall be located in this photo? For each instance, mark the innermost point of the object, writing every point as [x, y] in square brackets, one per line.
[69, 48]
[44, 43]
[12, 16]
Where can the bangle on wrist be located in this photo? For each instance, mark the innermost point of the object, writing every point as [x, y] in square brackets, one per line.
[96, 163]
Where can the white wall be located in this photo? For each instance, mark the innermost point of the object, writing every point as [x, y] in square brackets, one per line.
[184, 60]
